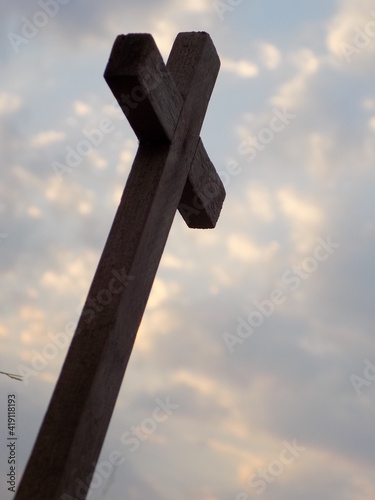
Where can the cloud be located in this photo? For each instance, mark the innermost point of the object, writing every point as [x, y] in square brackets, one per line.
[261, 202]
[82, 108]
[297, 209]
[161, 290]
[321, 151]
[44, 139]
[371, 123]
[243, 248]
[73, 273]
[269, 55]
[157, 322]
[164, 31]
[197, 6]
[9, 103]
[291, 378]
[34, 211]
[241, 68]
[304, 218]
[351, 32]
[34, 321]
[3, 331]
[292, 93]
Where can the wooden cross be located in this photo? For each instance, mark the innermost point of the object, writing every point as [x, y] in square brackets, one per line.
[165, 106]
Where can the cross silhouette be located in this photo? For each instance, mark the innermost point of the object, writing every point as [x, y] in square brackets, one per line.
[165, 105]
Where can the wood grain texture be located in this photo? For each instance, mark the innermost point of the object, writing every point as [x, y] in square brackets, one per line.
[142, 86]
[152, 97]
[204, 193]
[72, 433]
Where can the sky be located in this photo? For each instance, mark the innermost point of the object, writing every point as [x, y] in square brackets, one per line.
[253, 371]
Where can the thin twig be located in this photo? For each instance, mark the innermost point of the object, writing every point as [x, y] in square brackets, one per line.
[11, 375]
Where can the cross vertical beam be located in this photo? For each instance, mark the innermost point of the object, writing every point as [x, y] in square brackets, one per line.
[167, 174]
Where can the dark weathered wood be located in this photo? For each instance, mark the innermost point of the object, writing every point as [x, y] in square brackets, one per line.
[143, 87]
[154, 118]
[76, 422]
[204, 193]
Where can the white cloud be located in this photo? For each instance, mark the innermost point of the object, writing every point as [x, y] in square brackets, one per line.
[304, 218]
[197, 6]
[34, 322]
[34, 211]
[84, 207]
[200, 383]
[3, 331]
[126, 157]
[292, 92]
[160, 292]
[164, 32]
[270, 55]
[75, 273]
[241, 68]
[81, 108]
[351, 33]
[297, 208]
[371, 123]
[170, 261]
[155, 322]
[97, 161]
[44, 139]
[242, 247]
[260, 202]
[320, 163]
[9, 103]
[207, 387]
[306, 61]
[72, 197]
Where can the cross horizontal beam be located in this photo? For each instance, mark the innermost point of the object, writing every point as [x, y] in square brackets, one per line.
[158, 93]
[78, 416]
